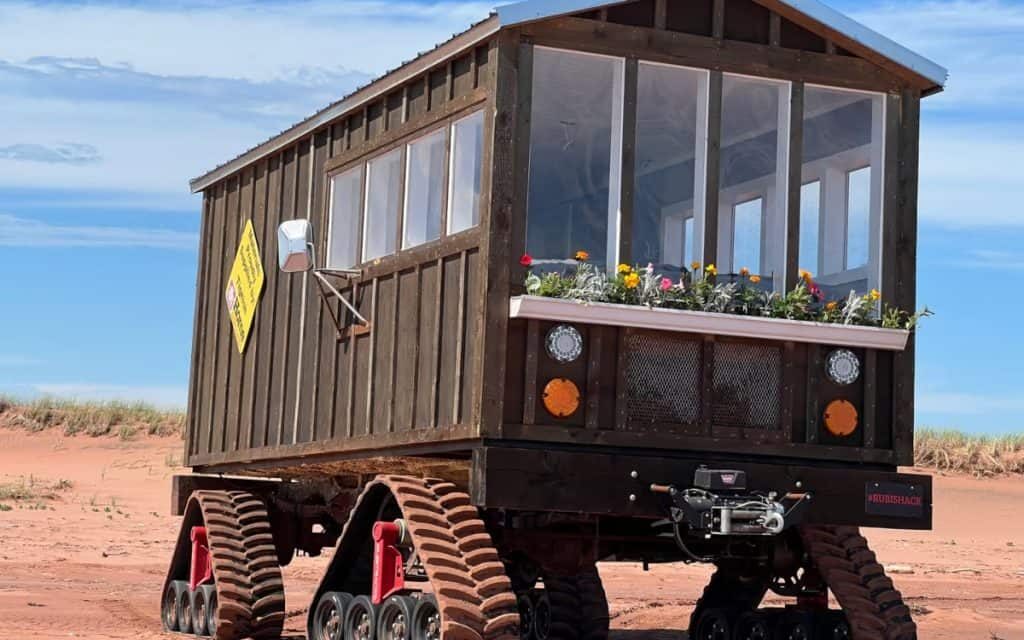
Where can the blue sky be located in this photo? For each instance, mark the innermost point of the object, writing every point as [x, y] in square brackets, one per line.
[108, 108]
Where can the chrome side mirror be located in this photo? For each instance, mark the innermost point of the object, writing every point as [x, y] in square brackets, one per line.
[295, 246]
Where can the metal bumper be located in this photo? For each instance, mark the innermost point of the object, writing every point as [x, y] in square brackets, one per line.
[618, 485]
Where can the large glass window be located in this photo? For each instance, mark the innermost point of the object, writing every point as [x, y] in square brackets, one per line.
[346, 207]
[383, 205]
[671, 151]
[424, 191]
[753, 185]
[842, 154]
[466, 172]
[575, 156]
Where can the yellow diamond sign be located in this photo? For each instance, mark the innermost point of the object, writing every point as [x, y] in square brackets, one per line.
[245, 286]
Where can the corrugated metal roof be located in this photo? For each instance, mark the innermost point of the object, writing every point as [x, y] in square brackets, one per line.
[530, 11]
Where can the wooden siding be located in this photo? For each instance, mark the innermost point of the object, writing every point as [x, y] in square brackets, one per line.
[298, 387]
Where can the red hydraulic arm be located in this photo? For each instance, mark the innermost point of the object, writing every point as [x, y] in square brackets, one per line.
[388, 567]
[202, 566]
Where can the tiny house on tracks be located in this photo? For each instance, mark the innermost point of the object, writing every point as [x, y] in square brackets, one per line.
[375, 376]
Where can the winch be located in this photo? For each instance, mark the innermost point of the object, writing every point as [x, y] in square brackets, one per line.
[719, 504]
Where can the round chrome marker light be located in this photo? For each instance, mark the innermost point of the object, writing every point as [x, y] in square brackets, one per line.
[564, 343]
[843, 367]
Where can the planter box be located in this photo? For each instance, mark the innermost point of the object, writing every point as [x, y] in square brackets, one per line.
[618, 315]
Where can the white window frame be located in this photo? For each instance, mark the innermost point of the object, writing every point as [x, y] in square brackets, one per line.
[360, 166]
[450, 190]
[445, 188]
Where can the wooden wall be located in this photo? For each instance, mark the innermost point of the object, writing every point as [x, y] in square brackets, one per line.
[298, 389]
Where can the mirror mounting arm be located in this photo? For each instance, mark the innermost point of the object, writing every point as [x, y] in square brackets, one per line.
[322, 282]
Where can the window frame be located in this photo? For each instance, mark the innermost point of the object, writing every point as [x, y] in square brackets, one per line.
[846, 163]
[403, 143]
[421, 136]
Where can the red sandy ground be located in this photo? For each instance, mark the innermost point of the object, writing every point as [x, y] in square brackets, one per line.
[91, 564]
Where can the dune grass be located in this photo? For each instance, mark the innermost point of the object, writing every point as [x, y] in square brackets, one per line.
[123, 419]
[983, 456]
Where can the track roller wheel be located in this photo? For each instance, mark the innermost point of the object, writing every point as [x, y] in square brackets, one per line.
[328, 617]
[795, 627]
[394, 622]
[527, 615]
[752, 625]
[169, 606]
[201, 610]
[211, 613]
[714, 624]
[184, 607]
[729, 590]
[361, 620]
[426, 620]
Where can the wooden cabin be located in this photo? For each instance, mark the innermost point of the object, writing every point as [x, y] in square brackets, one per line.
[769, 134]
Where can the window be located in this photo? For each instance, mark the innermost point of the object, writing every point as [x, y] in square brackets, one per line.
[346, 207]
[425, 182]
[753, 178]
[575, 156]
[810, 208]
[842, 154]
[383, 193]
[466, 172]
[671, 150]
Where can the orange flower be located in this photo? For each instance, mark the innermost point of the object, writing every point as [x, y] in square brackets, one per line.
[711, 270]
[695, 266]
[805, 275]
[755, 279]
[582, 256]
[832, 306]
[876, 295]
[744, 272]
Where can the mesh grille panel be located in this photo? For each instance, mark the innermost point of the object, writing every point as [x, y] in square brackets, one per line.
[663, 379]
[747, 386]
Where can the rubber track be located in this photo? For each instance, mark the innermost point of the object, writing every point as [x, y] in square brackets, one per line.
[473, 592]
[728, 590]
[247, 577]
[873, 606]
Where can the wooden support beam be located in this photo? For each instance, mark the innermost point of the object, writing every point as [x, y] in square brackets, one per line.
[660, 14]
[774, 30]
[710, 252]
[794, 184]
[718, 19]
[628, 169]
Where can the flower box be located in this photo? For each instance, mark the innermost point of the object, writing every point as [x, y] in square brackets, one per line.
[618, 315]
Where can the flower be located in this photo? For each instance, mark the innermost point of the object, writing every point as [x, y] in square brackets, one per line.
[625, 268]
[582, 256]
[744, 272]
[755, 279]
[805, 275]
[650, 268]
[832, 306]
[817, 293]
[666, 284]
[875, 294]
[526, 260]
[632, 281]
[695, 266]
[711, 270]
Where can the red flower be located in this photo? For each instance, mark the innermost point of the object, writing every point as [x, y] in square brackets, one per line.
[526, 260]
[817, 293]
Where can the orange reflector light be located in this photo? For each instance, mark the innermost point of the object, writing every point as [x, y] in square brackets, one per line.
[841, 418]
[561, 397]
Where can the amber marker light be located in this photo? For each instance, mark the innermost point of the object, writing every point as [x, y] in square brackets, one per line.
[561, 397]
[841, 418]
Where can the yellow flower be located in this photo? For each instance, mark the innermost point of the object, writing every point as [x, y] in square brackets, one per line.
[582, 256]
[625, 268]
[632, 281]
[695, 266]
[832, 306]
[744, 272]
[876, 295]
[805, 275]
[711, 269]
[755, 279]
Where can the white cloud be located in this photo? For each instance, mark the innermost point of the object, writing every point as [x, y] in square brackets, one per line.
[24, 232]
[170, 397]
[995, 260]
[63, 153]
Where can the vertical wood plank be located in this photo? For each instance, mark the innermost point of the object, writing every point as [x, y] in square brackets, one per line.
[710, 254]
[814, 363]
[393, 390]
[530, 373]
[707, 387]
[351, 345]
[435, 347]
[788, 388]
[660, 14]
[197, 371]
[795, 184]
[718, 19]
[870, 398]
[268, 334]
[259, 220]
[372, 362]
[521, 161]
[893, 203]
[460, 338]
[628, 169]
[774, 30]
[220, 226]
[594, 352]
[621, 384]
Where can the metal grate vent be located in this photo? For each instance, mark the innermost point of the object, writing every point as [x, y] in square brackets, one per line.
[747, 386]
[663, 376]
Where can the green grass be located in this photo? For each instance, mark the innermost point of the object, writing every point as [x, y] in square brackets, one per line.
[122, 419]
[32, 489]
[984, 456]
